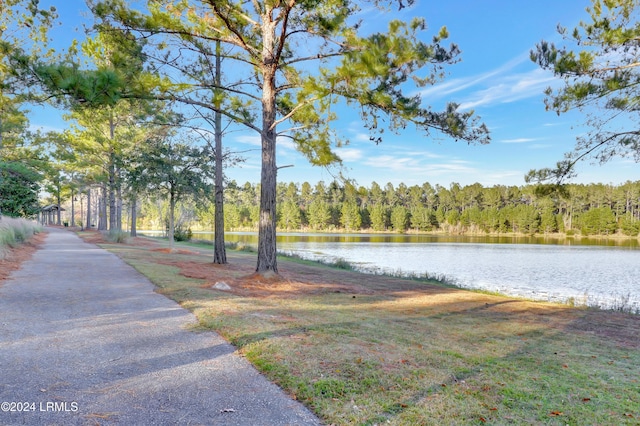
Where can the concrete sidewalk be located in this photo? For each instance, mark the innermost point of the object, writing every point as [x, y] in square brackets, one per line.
[85, 340]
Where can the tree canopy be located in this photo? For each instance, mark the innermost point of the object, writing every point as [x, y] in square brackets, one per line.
[600, 64]
[290, 63]
[19, 187]
[23, 27]
[176, 169]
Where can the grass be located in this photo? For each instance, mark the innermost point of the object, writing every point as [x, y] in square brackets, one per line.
[14, 231]
[384, 350]
[115, 236]
[617, 303]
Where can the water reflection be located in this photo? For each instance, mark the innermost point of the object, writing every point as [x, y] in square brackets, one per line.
[252, 238]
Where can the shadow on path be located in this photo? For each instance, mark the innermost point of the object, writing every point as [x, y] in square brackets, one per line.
[84, 339]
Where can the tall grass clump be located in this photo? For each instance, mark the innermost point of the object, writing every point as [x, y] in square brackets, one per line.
[336, 262]
[115, 236]
[341, 263]
[620, 303]
[239, 246]
[14, 232]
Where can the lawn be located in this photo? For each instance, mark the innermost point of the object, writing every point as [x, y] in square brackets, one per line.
[363, 350]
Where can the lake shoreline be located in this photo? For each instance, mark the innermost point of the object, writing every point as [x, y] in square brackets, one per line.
[588, 271]
[341, 231]
[495, 273]
[366, 349]
[554, 235]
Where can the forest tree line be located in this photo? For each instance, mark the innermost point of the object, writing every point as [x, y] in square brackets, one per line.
[585, 209]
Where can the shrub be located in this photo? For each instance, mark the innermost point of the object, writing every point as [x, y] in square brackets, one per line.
[239, 246]
[180, 234]
[115, 236]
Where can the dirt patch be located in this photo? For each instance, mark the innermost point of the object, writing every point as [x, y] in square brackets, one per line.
[240, 276]
[16, 256]
[256, 285]
[174, 251]
[142, 242]
[623, 329]
[92, 236]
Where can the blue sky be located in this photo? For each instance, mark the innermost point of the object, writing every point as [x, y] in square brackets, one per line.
[495, 78]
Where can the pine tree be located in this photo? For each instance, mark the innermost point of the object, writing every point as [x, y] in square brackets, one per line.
[276, 82]
[399, 218]
[350, 216]
[601, 72]
[378, 217]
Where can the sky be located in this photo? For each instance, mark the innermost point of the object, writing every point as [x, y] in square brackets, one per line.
[495, 78]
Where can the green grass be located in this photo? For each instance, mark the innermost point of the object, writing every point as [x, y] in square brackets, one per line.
[437, 356]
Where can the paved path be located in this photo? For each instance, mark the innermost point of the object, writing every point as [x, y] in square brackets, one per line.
[85, 340]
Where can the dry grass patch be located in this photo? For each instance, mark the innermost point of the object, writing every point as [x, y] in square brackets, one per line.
[15, 256]
[361, 349]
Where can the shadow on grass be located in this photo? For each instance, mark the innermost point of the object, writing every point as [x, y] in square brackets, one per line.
[417, 353]
[520, 365]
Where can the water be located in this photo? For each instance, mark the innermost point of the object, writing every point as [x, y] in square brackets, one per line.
[586, 271]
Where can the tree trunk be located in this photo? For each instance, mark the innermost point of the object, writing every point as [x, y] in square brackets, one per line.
[134, 216]
[59, 207]
[73, 210]
[219, 250]
[88, 224]
[112, 198]
[172, 207]
[112, 178]
[267, 221]
[118, 200]
[96, 208]
[112, 194]
[102, 210]
[101, 225]
[571, 218]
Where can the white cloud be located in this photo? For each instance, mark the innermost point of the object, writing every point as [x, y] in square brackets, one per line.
[360, 137]
[455, 166]
[399, 167]
[510, 88]
[388, 161]
[417, 166]
[253, 140]
[285, 143]
[425, 154]
[349, 154]
[497, 86]
[518, 140]
[503, 177]
[456, 85]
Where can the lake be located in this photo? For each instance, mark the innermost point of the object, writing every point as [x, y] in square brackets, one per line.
[586, 271]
